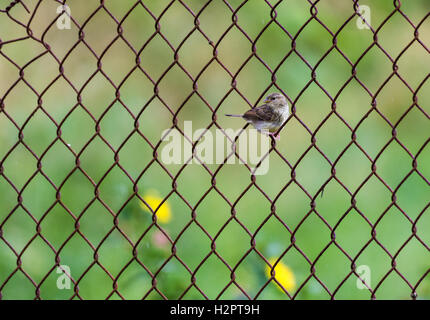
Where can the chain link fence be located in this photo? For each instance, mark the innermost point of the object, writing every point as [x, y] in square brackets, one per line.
[89, 209]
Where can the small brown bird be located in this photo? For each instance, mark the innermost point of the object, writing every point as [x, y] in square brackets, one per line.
[270, 116]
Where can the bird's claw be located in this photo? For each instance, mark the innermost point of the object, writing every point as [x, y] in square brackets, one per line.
[275, 136]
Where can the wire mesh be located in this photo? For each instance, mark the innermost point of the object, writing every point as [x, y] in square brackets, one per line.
[27, 167]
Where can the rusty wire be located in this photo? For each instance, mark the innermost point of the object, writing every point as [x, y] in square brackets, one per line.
[314, 16]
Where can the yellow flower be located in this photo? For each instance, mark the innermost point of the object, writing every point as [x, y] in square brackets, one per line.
[153, 200]
[283, 274]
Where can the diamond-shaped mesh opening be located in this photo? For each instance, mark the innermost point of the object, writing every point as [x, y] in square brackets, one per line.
[90, 209]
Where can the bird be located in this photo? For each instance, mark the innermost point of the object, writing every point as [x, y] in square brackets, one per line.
[268, 117]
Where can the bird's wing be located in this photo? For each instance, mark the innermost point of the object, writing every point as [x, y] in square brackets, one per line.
[262, 113]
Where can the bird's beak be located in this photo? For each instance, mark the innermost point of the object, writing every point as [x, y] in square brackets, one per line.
[266, 100]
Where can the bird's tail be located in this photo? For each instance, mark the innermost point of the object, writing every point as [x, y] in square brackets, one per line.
[234, 115]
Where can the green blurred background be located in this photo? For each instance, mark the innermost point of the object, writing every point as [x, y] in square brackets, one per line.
[20, 245]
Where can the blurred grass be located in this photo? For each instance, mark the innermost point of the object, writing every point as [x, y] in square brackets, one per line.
[56, 221]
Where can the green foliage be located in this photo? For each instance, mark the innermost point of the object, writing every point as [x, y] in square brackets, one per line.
[97, 227]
